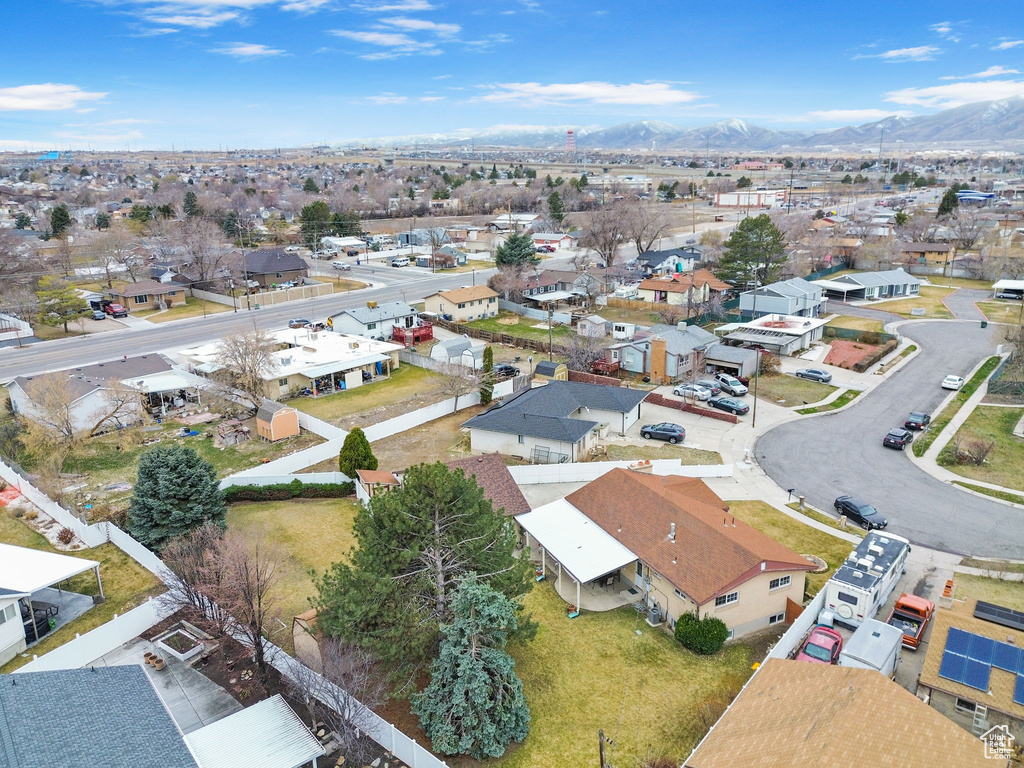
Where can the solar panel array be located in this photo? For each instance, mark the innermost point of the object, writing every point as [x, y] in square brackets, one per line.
[968, 658]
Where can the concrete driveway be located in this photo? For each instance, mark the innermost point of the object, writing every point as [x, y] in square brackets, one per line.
[831, 454]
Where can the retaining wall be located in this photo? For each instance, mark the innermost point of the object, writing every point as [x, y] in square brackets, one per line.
[655, 399]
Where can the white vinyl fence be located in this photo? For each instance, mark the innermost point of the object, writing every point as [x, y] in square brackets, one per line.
[584, 472]
[799, 628]
[420, 416]
[91, 535]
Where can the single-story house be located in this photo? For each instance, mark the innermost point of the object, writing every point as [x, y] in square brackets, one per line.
[150, 294]
[590, 282]
[497, 482]
[374, 321]
[799, 713]
[667, 261]
[738, 361]
[159, 384]
[667, 353]
[961, 697]
[674, 539]
[782, 334]
[886, 284]
[459, 351]
[686, 289]
[933, 254]
[796, 297]
[557, 240]
[275, 421]
[463, 304]
[309, 362]
[273, 265]
[556, 422]
[514, 222]
[12, 627]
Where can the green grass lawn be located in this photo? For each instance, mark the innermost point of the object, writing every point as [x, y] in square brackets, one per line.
[857, 323]
[126, 584]
[1006, 593]
[192, 307]
[930, 301]
[1011, 497]
[523, 329]
[801, 538]
[408, 384]
[1006, 461]
[995, 566]
[789, 391]
[628, 315]
[940, 421]
[595, 672]
[652, 450]
[961, 282]
[839, 402]
[314, 533]
[1002, 310]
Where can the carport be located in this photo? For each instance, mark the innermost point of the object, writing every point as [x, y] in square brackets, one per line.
[577, 544]
[1017, 286]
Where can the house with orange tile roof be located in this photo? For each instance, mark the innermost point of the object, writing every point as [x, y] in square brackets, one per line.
[672, 541]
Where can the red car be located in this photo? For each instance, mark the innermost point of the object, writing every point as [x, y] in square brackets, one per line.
[822, 646]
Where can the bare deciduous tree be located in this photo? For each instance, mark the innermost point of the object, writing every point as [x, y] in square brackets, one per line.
[343, 695]
[581, 351]
[605, 234]
[509, 281]
[52, 417]
[188, 558]
[120, 407]
[967, 227]
[203, 249]
[246, 358]
[458, 380]
[644, 222]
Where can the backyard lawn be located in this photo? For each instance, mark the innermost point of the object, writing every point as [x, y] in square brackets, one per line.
[930, 301]
[1006, 593]
[802, 539]
[789, 391]
[192, 307]
[409, 386]
[126, 584]
[857, 323]
[651, 451]
[314, 534]
[1002, 310]
[522, 327]
[1003, 465]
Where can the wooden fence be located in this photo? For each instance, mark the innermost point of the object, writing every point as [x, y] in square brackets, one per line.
[491, 336]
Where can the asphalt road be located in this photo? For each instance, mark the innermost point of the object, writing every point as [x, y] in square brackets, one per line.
[826, 456]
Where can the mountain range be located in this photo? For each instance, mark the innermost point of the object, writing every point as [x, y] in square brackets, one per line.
[988, 122]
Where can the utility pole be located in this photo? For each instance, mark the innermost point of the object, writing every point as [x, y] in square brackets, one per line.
[885, 168]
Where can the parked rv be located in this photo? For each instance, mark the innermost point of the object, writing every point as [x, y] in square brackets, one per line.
[863, 583]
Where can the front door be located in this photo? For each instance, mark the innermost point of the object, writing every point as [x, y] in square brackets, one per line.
[639, 578]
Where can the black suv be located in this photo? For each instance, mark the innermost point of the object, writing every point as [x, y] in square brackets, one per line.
[898, 438]
[505, 371]
[860, 512]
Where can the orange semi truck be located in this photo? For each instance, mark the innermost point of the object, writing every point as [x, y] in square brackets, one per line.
[911, 614]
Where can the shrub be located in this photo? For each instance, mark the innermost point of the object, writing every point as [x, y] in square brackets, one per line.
[704, 636]
[282, 491]
[65, 536]
[31, 515]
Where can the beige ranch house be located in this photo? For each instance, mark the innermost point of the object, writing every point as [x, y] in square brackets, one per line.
[463, 304]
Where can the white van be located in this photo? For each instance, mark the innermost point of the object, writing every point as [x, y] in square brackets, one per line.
[342, 265]
[400, 261]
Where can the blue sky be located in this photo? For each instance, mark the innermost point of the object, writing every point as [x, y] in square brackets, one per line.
[203, 74]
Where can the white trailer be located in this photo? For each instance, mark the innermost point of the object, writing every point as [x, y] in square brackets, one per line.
[863, 583]
[874, 645]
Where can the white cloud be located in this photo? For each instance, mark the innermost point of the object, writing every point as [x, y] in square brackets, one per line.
[401, 5]
[488, 41]
[402, 43]
[45, 97]
[919, 53]
[172, 15]
[657, 94]
[431, 98]
[14, 145]
[441, 30]
[195, 20]
[1007, 45]
[99, 138]
[248, 50]
[957, 94]
[946, 30]
[440, 77]
[304, 6]
[990, 72]
[388, 98]
[850, 115]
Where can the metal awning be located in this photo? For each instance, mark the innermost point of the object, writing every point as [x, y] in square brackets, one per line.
[29, 570]
[339, 366]
[166, 381]
[574, 540]
[555, 296]
[839, 287]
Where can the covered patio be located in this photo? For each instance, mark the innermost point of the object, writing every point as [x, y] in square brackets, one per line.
[169, 390]
[581, 554]
[334, 377]
[38, 575]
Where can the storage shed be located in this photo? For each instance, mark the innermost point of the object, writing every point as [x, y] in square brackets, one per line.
[547, 369]
[276, 422]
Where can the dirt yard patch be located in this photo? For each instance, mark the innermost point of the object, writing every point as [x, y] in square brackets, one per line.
[438, 440]
[846, 354]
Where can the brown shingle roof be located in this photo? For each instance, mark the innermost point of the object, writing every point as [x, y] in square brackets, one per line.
[497, 482]
[379, 476]
[145, 288]
[794, 713]
[701, 277]
[471, 293]
[713, 552]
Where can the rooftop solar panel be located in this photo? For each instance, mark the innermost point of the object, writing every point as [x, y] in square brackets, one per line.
[958, 641]
[1006, 617]
[1018, 691]
[981, 649]
[952, 667]
[1006, 657]
[976, 674]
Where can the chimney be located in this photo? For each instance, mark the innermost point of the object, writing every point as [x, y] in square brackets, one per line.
[644, 467]
[658, 361]
[672, 531]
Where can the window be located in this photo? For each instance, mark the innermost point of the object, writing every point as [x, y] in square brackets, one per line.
[782, 581]
[144, 299]
[723, 600]
[730, 635]
[370, 326]
[963, 705]
[462, 305]
[679, 594]
[848, 598]
[279, 274]
[6, 614]
[656, 575]
[521, 440]
[172, 293]
[777, 618]
[282, 382]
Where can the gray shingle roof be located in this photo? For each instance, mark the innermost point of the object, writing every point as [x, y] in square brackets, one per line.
[107, 716]
[730, 354]
[89, 378]
[389, 310]
[545, 412]
[683, 342]
[268, 408]
[269, 260]
[875, 279]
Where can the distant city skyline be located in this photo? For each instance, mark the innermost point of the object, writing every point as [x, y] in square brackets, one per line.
[204, 74]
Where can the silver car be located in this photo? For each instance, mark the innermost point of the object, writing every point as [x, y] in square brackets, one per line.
[692, 391]
[815, 374]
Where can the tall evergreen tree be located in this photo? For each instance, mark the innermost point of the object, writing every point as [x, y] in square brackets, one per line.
[60, 221]
[59, 302]
[487, 376]
[191, 205]
[315, 223]
[756, 249]
[948, 204]
[416, 543]
[474, 704]
[518, 250]
[356, 453]
[556, 208]
[176, 490]
[311, 186]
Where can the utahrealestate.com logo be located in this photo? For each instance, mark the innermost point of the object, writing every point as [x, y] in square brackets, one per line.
[998, 742]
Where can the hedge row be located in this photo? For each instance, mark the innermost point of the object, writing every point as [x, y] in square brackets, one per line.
[296, 489]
